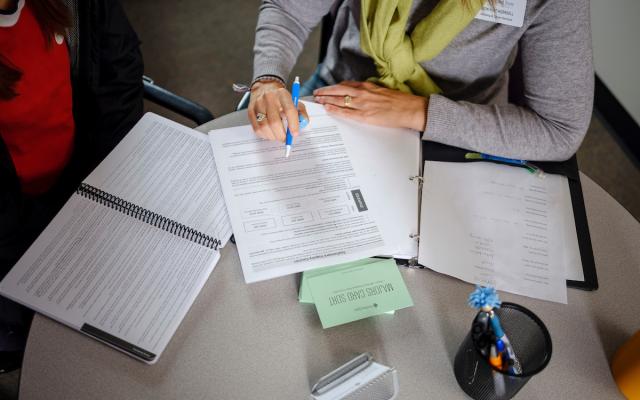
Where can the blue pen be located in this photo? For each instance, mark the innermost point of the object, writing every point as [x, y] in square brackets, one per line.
[482, 156]
[295, 96]
[516, 369]
[503, 159]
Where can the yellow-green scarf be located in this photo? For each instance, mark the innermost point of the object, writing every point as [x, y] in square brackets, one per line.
[397, 55]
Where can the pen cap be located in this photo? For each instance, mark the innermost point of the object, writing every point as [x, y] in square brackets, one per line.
[527, 352]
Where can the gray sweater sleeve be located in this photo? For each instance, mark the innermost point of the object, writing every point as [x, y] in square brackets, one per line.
[558, 84]
[283, 27]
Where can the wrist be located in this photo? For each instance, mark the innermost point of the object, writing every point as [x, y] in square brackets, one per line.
[417, 113]
[267, 79]
[259, 88]
[270, 84]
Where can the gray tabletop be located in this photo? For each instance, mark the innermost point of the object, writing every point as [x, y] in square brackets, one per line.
[256, 341]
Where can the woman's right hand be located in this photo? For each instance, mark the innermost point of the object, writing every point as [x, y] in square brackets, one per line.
[272, 99]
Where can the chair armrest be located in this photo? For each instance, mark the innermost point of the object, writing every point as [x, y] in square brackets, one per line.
[175, 103]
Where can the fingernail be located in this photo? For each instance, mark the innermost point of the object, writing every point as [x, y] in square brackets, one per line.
[303, 121]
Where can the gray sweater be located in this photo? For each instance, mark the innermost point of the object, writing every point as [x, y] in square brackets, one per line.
[473, 111]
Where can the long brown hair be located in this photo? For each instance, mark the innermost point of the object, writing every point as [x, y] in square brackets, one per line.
[53, 17]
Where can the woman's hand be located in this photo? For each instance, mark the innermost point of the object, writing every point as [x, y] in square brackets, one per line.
[274, 101]
[373, 104]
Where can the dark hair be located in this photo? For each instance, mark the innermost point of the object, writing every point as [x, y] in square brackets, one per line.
[53, 17]
[9, 76]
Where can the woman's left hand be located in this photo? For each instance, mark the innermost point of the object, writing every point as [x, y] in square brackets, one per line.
[372, 104]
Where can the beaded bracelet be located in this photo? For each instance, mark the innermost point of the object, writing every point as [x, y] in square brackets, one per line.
[267, 78]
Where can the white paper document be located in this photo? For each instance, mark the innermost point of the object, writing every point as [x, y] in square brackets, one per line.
[388, 163]
[496, 225]
[128, 253]
[167, 168]
[290, 215]
[94, 265]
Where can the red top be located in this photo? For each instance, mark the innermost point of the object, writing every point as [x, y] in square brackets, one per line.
[37, 125]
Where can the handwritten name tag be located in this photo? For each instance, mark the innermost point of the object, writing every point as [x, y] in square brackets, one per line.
[508, 12]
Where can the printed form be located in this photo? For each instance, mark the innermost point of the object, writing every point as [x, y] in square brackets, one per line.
[497, 226]
[295, 214]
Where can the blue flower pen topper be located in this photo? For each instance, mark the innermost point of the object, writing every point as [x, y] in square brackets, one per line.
[484, 298]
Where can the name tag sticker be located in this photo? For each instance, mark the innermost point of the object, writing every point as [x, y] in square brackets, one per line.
[508, 12]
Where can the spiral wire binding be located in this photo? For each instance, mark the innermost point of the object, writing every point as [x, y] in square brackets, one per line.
[147, 216]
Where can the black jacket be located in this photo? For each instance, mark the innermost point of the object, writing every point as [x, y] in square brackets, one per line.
[107, 92]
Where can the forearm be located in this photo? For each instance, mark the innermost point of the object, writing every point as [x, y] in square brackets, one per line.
[282, 29]
[556, 95]
[504, 130]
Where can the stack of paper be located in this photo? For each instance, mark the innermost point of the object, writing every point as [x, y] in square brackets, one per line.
[356, 290]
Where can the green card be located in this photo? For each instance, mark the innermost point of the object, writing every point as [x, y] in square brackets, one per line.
[304, 295]
[358, 292]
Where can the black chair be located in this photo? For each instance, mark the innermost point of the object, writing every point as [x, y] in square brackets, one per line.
[178, 104]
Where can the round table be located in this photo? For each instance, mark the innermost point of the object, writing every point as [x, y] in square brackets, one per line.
[256, 341]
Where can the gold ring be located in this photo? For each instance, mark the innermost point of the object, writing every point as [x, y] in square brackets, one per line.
[347, 101]
[261, 117]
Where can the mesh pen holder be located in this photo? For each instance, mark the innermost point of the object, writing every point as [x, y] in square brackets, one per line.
[531, 344]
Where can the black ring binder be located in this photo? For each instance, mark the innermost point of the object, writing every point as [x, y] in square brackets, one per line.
[147, 216]
[439, 152]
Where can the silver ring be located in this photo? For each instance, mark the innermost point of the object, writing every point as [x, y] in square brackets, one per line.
[261, 117]
[347, 101]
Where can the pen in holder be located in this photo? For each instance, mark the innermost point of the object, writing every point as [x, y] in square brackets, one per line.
[530, 347]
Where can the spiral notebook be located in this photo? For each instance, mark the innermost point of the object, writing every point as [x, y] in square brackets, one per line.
[126, 256]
